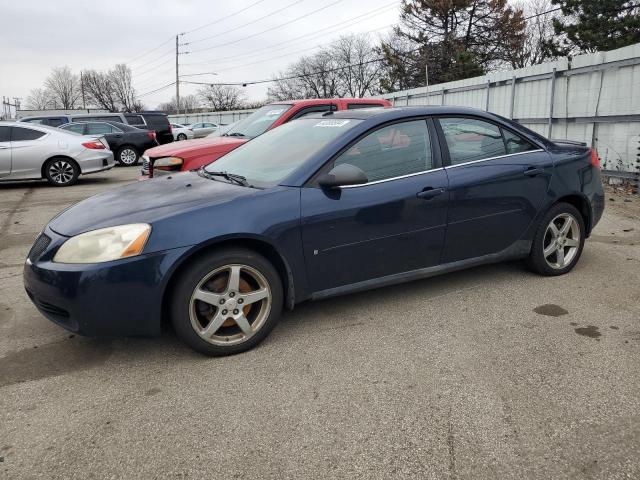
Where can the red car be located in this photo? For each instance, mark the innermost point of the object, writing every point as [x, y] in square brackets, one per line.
[192, 154]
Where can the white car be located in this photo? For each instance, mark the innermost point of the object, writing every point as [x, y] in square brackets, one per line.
[181, 132]
[31, 151]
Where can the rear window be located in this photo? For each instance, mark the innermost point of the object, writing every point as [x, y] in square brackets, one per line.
[74, 127]
[354, 106]
[157, 122]
[20, 134]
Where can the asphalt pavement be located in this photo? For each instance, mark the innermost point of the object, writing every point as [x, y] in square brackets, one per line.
[488, 373]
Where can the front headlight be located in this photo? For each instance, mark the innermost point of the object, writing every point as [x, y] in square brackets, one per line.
[105, 244]
[168, 163]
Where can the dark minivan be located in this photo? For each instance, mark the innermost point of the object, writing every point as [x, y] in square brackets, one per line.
[154, 121]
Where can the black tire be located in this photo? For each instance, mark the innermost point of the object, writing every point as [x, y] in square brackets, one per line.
[182, 310]
[537, 260]
[181, 136]
[127, 156]
[61, 172]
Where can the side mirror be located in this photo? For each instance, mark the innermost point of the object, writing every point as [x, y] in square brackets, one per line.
[343, 175]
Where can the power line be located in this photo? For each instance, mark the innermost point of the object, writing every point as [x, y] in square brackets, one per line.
[220, 19]
[149, 51]
[265, 31]
[157, 89]
[163, 55]
[244, 25]
[311, 35]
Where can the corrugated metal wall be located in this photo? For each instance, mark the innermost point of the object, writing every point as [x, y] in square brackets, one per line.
[225, 118]
[593, 98]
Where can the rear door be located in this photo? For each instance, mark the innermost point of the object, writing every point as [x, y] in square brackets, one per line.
[5, 151]
[395, 223]
[497, 183]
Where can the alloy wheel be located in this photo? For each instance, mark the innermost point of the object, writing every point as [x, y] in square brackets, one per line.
[61, 172]
[128, 156]
[230, 304]
[561, 241]
[182, 136]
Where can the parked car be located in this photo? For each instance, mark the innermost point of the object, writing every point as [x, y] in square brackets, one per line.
[199, 152]
[126, 141]
[181, 132]
[153, 121]
[203, 129]
[38, 151]
[222, 129]
[322, 206]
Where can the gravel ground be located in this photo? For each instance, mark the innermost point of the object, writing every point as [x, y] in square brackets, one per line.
[491, 373]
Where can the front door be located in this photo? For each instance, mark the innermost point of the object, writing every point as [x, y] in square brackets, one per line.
[497, 183]
[5, 152]
[395, 223]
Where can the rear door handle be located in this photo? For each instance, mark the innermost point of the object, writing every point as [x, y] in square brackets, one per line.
[532, 172]
[429, 192]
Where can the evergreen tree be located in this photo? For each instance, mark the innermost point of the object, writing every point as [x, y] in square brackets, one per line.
[595, 25]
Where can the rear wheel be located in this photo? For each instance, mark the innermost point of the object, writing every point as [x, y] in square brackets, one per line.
[181, 136]
[559, 241]
[127, 156]
[226, 302]
[61, 172]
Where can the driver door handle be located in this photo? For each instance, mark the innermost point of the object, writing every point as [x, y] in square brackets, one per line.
[532, 171]
[429, 192]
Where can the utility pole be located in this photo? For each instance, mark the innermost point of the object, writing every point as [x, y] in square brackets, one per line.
[84, 103]
[426, 73]
[177, 80]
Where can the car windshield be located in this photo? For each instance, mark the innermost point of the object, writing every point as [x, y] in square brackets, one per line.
[268, 159]
[259, 121]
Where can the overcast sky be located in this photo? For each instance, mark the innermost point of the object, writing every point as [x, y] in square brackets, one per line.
[38, 35]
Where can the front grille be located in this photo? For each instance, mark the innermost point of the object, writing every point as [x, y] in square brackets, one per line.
[52, 309]
[39, 246]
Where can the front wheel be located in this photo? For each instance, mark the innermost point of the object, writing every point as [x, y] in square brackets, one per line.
[226, 302]
[127, 156]
[181, 136]
[61, 172]
[559, 241]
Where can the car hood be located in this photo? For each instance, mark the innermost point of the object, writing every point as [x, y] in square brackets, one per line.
[146, 202]
[197, 146]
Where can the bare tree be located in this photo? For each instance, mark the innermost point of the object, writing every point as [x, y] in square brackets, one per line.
[349, 66]
[63, 88]
[123, 87]
[39, 99]
[361, 73]
[221, 97]
[538, 34]
[99, 91]
[188, 103]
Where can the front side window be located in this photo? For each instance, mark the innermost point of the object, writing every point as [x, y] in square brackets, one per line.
[259, 121]
[393, 151]
[268, 159]
[4, 134]
[21, 134]
[74, 127]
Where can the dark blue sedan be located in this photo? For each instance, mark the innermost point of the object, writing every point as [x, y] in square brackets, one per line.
[324, 205]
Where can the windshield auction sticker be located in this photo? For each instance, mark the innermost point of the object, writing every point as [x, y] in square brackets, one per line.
[331, 123]
[272, 113]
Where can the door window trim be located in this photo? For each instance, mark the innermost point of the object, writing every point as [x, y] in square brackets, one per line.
[492, 158]
[435, 154]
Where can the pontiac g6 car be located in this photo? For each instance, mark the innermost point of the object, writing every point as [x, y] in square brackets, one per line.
[324, 205]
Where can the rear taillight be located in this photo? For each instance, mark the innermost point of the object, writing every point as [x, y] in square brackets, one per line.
[94, 145]
[595, 161]
[152, 135]
[170, 129]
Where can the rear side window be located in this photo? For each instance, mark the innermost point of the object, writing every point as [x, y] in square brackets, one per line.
[20, 134]
[134, 119]
[98, 128]
[157, 122]
[469, 139]
[74, 127]
[393, 151]
[354, 106]
[4, 134]
[55, 122]
[515, 143]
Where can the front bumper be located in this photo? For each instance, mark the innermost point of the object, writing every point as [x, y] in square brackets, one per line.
[118, 298]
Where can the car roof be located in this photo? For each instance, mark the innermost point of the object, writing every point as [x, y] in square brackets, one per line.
[323, 101]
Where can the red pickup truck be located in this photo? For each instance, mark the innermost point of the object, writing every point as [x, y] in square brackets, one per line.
[191, 154]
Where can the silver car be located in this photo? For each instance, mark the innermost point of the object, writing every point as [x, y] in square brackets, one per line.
[31, 151]
[203, 129]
